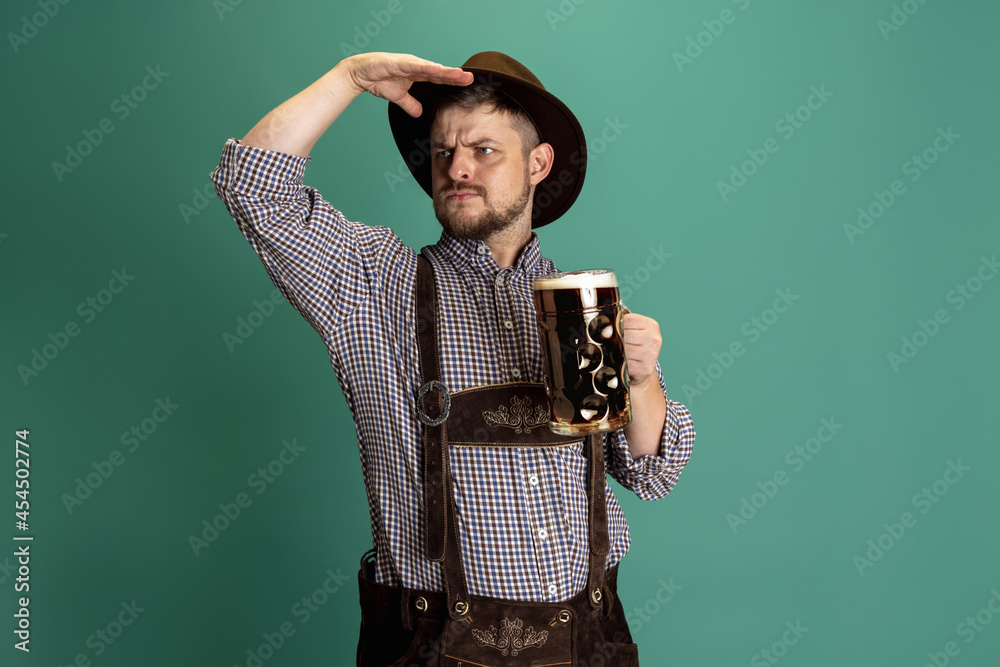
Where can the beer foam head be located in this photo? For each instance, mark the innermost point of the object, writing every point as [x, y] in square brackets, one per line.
[588, 279]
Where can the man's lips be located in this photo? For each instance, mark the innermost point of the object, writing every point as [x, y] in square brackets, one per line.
[461, 195]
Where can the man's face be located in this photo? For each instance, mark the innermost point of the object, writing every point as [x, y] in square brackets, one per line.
[479, 175]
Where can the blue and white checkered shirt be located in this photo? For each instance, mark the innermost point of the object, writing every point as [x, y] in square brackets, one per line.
[522, 511]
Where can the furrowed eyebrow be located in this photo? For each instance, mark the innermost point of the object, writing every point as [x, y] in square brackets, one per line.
[485, 141]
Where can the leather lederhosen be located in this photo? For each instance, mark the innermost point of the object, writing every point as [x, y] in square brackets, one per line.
[404, 627]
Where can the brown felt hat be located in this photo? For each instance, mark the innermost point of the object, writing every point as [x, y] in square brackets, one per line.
[555, 122]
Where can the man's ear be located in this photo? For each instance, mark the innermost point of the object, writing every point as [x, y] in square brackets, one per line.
[540, 162]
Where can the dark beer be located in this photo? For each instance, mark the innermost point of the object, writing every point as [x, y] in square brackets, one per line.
[579, 317]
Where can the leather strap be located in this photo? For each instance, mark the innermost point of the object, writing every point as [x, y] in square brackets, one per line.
[600, 541]
[439, 500]
[434, 408]
[456, 587]
[431, 403]
[513, 414]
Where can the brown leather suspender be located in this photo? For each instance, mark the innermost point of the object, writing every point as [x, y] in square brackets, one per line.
[431, 399]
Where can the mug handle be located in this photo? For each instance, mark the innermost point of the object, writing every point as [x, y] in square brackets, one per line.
[624, 310]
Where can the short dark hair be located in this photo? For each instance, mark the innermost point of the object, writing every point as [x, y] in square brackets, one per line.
[477, 94]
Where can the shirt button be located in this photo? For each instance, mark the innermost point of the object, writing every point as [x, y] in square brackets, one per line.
[533, 480]
[553, 589]
[481, 249]
[542, 534]
[516, 373]
[508, 324]
[499, 281]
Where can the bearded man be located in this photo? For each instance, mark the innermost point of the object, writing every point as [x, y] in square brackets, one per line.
[491, 551]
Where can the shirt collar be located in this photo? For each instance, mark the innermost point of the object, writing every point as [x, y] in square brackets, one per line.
[468, 252]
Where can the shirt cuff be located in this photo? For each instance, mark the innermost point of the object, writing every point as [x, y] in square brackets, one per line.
[654, 476]
[251, 172]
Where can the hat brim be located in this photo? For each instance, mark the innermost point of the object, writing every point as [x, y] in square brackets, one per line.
[555, 122]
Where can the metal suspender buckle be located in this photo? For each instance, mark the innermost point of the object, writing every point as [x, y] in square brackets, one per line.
[446, 395]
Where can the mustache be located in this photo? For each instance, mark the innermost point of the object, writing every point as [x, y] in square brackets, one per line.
[455, 188]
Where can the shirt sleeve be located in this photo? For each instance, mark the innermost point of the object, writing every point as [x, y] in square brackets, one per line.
[653, 477]
[321, 262]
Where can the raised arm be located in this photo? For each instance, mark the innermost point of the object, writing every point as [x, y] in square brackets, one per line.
[322, 263]
[295, 126]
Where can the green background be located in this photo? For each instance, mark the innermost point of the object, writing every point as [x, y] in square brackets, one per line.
[652, 183]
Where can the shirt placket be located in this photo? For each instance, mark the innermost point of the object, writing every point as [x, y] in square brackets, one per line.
[537, 493]
[538, 490]
[511, 359]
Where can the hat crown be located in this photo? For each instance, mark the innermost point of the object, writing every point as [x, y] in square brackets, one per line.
[501, 63]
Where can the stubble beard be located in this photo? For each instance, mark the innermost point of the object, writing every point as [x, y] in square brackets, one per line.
[491, 222]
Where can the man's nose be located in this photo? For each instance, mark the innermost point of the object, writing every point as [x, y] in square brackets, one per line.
[461, 166]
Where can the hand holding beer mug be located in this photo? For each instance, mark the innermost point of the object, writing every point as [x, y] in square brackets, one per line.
[580, 321]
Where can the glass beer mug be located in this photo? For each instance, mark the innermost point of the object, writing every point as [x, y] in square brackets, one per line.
[580, 321]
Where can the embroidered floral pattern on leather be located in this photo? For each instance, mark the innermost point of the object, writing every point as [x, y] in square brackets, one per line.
[511, 638]
[521, 416]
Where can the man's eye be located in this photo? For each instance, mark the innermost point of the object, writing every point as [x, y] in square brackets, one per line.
[484, 150]
[444, 153]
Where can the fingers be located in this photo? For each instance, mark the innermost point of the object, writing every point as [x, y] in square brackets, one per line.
[390, 75]
[380, 69]
[638, 323]
[641, 336]
[410, 105]
[449, 76]
[641, 362]
[632, 321]
[418, 69]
